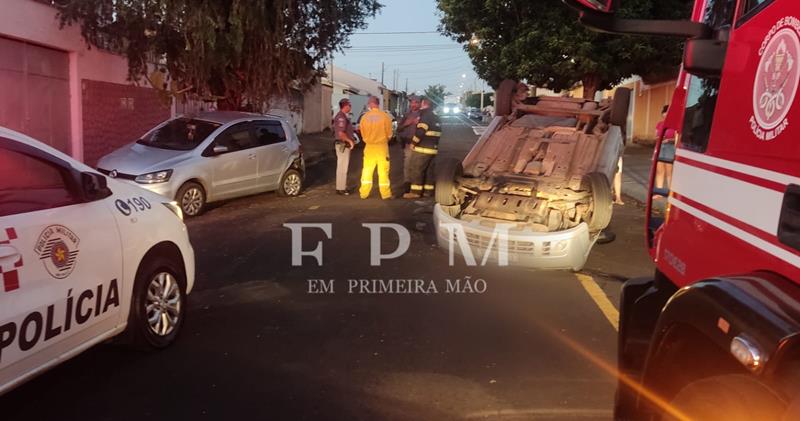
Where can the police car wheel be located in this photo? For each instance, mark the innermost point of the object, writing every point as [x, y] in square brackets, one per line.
[159, 304]
[291, 183]
[192, 199]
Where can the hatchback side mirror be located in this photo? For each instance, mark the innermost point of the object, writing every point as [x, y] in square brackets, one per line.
[94, 186]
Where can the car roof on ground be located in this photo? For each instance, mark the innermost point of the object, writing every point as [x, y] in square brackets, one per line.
[223, 117]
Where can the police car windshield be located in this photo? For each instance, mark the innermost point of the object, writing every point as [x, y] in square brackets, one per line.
[181, 134]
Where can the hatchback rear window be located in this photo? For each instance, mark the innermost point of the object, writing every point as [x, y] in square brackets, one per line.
[181, 134]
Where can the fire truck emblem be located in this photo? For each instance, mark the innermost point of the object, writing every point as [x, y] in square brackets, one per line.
[776, 79]
[9, 272]
[57, 248]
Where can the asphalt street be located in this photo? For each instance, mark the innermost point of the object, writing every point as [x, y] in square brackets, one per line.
[258, 345]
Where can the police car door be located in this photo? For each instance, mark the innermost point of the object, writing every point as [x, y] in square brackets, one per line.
[60, 261]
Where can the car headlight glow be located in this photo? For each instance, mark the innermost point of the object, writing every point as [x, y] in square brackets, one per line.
[154, 177]
[175, 208]
[456, 110]
[446, 110]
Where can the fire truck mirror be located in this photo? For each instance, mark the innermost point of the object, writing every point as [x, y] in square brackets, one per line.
[704, 57]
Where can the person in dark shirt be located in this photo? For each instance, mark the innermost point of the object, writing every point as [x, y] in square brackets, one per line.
[344, 132]
[406, 129]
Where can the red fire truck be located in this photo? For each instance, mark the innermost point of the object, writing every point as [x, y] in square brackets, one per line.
[715, 334]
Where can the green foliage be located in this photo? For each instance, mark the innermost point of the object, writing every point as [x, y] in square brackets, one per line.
[246, 51]
[474, 99]
[436, 93]
[542, 42]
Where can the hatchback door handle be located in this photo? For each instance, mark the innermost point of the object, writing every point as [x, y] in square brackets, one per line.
[251, 156]
[789, 222]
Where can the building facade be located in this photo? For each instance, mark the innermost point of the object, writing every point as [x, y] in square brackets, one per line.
[61, 92]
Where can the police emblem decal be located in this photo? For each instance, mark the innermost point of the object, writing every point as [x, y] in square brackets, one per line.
[57, 248]
[776, 80]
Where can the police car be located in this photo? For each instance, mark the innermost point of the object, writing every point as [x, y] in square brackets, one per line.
[82, 259]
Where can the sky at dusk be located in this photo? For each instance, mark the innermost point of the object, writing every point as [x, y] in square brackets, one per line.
[423, 58]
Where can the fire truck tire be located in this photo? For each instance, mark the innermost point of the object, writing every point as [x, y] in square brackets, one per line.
[602, 204]
[446, 188]
[619, 107]
[732, 397]
[505, 96]
[158, 304]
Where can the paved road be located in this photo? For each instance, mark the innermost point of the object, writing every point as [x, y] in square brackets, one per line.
[257, 345]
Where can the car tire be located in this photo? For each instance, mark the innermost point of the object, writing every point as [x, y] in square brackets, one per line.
[291, 183]
[446, 186]
[505, 96]
[191, 198]
[731, 397]
[602, 205]
[158, 304]
[619, 107]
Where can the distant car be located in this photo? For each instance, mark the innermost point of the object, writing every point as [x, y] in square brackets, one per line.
[82, 259]
[451, 109]
[474, 113]
[212, 156]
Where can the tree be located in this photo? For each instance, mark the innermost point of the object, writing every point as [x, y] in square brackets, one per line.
[243, 52]
[542, 42]
[436, 94]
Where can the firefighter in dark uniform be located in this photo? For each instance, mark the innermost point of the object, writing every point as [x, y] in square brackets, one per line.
[424, 147]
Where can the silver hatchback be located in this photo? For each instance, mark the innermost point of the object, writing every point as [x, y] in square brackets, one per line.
[212, 156]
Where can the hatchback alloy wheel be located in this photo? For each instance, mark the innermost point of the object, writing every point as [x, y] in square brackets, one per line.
[292, 183]
[192, 201]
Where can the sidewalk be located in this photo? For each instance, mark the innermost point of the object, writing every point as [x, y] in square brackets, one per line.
[636, 171]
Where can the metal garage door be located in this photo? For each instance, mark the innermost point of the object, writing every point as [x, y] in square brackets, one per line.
[34, 92]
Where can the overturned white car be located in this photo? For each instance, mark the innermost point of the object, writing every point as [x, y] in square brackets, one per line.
[542, 171]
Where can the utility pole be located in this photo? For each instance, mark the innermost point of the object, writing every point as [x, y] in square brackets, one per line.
[406, 85]
[382, 73]
[482, 95]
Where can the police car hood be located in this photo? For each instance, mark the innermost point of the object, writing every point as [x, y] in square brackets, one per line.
[137, 159]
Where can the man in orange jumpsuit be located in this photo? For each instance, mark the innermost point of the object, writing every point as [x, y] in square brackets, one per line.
[376, 130]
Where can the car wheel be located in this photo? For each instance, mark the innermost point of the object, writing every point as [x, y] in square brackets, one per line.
[602, 205]
[732, 397]
[191, 198]
[446, 186]
[505, 96]
[619, 107]
[291, 183]
[158, 306]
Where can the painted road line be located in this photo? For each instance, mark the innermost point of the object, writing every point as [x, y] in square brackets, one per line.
[600, 298]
